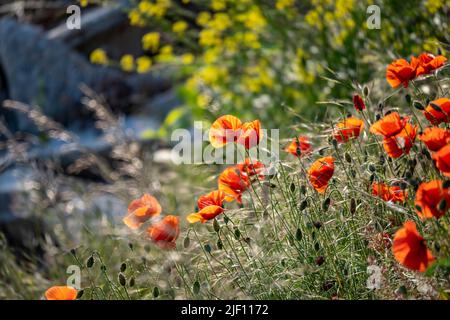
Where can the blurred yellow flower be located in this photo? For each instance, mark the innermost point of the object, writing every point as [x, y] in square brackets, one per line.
[165, 54]
[220, 22]
[127, 63]
[144, 64]
[98, 56]
[209, 37]
[187, 58]
[283, 4]
[84, 3]
[179, 27]
[203, 100]
[150, 41]
[203, 18]
[218, 5]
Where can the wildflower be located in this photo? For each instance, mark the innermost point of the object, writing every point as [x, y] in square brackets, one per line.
[150, 41]
[299, 146]
[401, 143]
[358, 103]
[348, 129]
[127, 63]
[388, 193]
[427, 63]
[203, 18]
[435, 138]
[140, 210]
[215, 197]
[61, 293]
[179, 27]
[389, 125]
[165, 232]
[442, 158]
[400, 72]
[98, 56]
[187, 58]
[410, 249]
[144, 64]
[251, 168]
[224, 130]
[233, 183]
[432, 199]
[321, 172]
[205, 214]
[438, 111]
[250, 134]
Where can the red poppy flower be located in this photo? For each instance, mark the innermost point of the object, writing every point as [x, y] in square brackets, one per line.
[320, 173]
[205, 214]
[432, 200]
[233, 182]
[388, 193]
[358, 102]
[438, 111]
[410, 249]
[250, 134]
[215, 198]
[165, 232]
[299, 146]
[61, 293]
[389, 125]
[435, 138]
[224, 130]
[348, 129]
[251, 168]
[442, 158]
[401, 143]
[428, 63]
[400, 72]
[140, 210]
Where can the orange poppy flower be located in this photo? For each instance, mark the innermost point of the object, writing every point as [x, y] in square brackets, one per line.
[61, 293]
[233, 183]
[205, 214]
[388, 193]
[438, 111]
[348, 129]
[251, 168]
[428, 63]
[400, 72]
[429, 198]
[215, 198]
[401, 143]
[320, 173]
[435, 138]
[442, 158]
[389, 125]
[140, 210]
[250, 134]
[224, 130]
[358, 102]
[299, 146]
[165, 232]
[410, 249]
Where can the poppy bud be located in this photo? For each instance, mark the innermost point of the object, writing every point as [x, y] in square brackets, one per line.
[123, 267]
[317, 246]
[80, 294]
[352, 206]
[207, 248]
[334, 143]
[122, 280]
[426, 154]
[382, 160]
[103, 268]
[320, 260]
[372, 168]
[73, 252]
[216, 226]
[186, 242]
[132, 282]
[358, 103]
[418, 208]
[348, 157]
[298, 234]
[437, 247]
[298, 151]
[377, 117]
[303, 205]
[292, 187]
[226, 219]
[155, 292]
[90, 262]
[446, 184]
[130, 245]
[302, 189]
[442, 205]
[237, 233]
[408, 98]
[219, 244]
[380, 107]
[371, 178]
[326, 204]
[196, 287]
[366, 91]
[317, 224]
